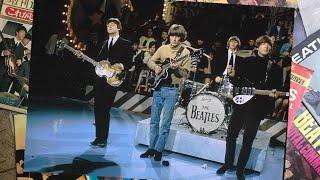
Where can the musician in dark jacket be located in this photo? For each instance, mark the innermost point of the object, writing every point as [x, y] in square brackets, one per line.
[166, 93]
[253, 72]
[116, 50]
[225, 61]
[21, 80]
[10, 47]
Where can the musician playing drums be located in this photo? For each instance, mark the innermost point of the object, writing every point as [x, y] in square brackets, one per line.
[225, 61]
[166, 93]
[252, 71]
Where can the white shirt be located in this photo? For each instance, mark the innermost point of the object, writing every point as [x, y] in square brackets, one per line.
[114, 40]
[234, 60]
[16, 41]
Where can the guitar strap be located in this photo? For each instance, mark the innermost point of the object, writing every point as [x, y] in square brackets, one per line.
[179, 52]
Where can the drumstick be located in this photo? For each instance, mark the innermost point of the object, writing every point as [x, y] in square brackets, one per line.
[205, 86]
[206, 55]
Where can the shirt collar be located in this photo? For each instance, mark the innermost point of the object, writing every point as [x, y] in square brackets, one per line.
[16, 40]
[115, 38]
[229, 51]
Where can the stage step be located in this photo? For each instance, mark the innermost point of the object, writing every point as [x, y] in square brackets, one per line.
[182, 139]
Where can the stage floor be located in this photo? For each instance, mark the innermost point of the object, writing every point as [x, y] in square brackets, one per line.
[59, 132]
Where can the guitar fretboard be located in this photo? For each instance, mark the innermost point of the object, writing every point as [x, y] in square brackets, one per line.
[83, 56]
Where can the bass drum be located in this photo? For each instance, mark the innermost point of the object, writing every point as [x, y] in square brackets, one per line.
[205, 112]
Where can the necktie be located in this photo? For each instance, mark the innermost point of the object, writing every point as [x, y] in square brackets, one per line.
[110, 43]
[231, 60]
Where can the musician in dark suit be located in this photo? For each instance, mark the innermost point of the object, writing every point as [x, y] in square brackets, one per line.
[252, 71]
[8, 47]
[116, 50]
[225, 61]
[166, 93]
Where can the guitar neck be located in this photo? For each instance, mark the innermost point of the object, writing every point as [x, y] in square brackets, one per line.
[253, 91]
[261, 92]
[83, 56]
[268, 92]
[167, 66]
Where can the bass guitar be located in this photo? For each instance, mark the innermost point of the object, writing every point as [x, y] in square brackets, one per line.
[114, 74]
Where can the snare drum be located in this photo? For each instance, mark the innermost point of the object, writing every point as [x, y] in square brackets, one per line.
[188, 90]
[205, 112]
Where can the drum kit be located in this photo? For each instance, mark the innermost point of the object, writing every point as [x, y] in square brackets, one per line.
[206, 111]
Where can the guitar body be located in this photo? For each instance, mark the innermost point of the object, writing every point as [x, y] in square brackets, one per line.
[114, 74]
[155, 79]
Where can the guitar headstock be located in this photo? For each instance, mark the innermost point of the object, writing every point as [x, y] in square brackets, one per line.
[60, 44]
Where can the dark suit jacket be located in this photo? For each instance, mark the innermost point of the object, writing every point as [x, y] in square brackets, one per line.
[18, 51]
[220, 63]
[120, 52]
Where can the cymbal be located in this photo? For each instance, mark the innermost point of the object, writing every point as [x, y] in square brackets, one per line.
[244, 53]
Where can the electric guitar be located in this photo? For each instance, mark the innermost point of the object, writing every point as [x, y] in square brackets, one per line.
[114, 74]
[155, 79]
[244, 94]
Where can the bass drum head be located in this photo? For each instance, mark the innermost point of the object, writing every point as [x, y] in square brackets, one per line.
[205, 113]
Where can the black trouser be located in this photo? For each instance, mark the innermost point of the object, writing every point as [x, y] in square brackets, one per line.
[103, 99]
[241, 117]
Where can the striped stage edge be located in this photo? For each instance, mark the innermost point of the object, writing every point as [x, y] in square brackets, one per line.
[277, 129]
[142, 104]
[126, 100]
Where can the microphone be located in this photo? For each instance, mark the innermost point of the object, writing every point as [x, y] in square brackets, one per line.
[195, 49]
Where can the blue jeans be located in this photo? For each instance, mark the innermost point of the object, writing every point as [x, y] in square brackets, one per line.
[164, 98]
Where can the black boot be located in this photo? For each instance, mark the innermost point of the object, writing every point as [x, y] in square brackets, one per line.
[157, 156]
[149, 152]
[99, 143]
[223, 169]
[240, 174]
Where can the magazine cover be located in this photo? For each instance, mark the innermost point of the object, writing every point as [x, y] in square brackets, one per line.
[16, 20]
[305, 53]
[103, 71]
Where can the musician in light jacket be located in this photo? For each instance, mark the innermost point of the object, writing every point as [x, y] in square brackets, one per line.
[166, 93]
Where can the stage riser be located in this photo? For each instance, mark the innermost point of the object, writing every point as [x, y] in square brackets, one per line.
[210, 147]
